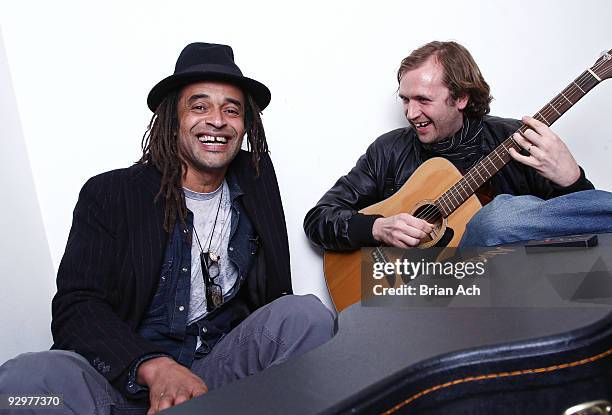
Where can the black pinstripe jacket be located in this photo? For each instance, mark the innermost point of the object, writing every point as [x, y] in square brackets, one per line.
[110, 269]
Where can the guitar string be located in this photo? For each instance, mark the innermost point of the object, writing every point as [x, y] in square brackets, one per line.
[482, 166]
[455, 189]
[432, 211]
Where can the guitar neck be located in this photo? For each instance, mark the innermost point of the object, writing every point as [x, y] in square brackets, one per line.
[498, 158]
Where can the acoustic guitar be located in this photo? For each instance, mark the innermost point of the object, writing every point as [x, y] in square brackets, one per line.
[438, 193]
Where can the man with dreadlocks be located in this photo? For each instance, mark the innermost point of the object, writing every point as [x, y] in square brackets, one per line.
[176, 274]
[540, 193]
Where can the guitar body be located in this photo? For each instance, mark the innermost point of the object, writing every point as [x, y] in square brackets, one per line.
[427, 183]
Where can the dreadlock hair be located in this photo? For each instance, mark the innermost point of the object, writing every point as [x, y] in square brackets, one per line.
[461, 74]
[160, 148]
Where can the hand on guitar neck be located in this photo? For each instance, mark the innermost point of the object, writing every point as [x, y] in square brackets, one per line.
[401, 230]
[548, 154]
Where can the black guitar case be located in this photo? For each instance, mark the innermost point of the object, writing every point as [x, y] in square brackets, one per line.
[536, 375]
[545, 375]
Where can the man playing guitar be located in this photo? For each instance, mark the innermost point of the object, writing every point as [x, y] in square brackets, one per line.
[538, 194]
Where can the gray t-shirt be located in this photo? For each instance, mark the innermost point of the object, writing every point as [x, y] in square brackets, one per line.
[204, 208]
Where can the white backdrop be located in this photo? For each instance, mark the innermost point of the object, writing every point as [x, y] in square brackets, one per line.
[81, 72]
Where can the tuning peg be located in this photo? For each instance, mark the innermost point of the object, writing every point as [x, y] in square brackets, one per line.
[606, 55]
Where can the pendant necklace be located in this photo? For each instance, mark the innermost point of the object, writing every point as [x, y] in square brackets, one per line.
[214, 257]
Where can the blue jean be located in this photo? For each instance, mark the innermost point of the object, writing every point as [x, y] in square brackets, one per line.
[287, 327]
[509, 219]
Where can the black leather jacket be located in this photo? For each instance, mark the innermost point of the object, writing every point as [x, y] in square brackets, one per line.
[389, 161]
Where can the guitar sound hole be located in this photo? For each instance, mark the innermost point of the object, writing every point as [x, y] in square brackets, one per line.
[431, 214]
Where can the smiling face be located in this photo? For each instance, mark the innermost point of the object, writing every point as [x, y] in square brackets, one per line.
[428, 105]
[211, 129]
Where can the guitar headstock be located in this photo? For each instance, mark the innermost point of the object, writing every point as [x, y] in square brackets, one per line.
[603, 66]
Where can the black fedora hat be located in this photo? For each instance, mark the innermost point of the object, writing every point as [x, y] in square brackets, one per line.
[203, 62]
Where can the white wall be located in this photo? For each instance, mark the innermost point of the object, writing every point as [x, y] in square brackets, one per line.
[26, 271]
[81, 74]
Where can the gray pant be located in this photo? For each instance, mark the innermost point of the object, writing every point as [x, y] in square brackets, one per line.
[287, 327]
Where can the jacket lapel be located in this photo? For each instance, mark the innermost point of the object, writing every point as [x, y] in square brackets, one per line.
[145, 223]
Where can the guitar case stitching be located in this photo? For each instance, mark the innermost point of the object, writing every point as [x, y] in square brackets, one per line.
[572, 343]
[498, 375]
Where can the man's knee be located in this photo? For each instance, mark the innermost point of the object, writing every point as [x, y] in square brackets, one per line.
[500, 221]
[481, 229]
[304, 315]
[40, 371]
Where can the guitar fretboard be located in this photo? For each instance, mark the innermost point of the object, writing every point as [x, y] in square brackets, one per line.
[498, 158]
